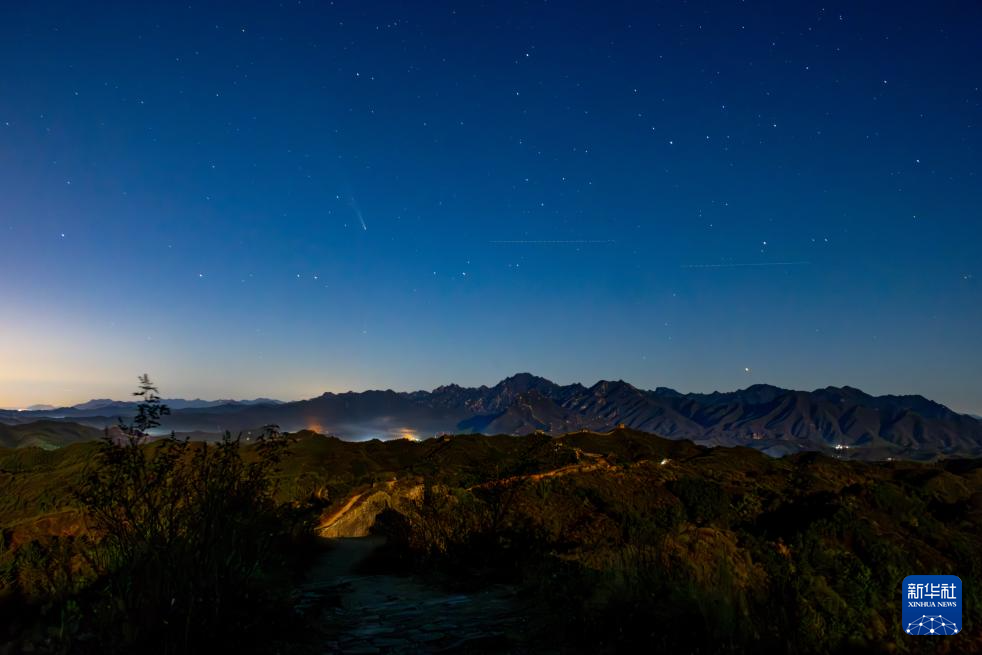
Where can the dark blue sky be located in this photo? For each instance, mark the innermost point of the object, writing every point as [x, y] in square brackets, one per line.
[282, 199]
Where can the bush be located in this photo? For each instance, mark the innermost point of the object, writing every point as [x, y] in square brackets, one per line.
[189, 536]
[704, 501]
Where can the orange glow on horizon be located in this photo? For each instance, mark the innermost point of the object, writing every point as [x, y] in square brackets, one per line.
[314, 426]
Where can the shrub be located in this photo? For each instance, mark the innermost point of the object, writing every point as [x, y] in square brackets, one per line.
[704, 500]
[188, 536]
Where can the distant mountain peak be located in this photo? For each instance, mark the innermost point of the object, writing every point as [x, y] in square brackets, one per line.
[173, 403]
[762, 386]
[522, 382]
[96, 402]
[845, 390]
[453, 386]
[607, 387]
[763, 416]
[525, 379]
[667, 391]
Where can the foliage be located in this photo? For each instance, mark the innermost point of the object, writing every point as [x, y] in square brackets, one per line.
[187, 543]
[704, 500]
[637, 543]
[697, 556]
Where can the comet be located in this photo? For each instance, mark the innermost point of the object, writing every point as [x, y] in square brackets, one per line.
[355, 208]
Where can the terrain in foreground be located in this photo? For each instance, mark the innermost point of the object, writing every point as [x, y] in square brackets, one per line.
[608, 541]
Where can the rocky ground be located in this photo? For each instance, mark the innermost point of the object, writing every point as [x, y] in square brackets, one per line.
[359, 612]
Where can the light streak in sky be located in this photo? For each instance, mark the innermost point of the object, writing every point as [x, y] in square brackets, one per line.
[354, 206]
[745, 265]
[549, 242]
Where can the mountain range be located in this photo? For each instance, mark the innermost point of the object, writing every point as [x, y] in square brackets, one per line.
[777, 421]
[107, 405]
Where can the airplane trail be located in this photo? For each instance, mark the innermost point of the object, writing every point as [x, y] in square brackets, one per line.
[745, 265]
[553, 241]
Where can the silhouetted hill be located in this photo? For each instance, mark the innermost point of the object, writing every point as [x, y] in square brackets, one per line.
[107, 406]
[777, 421]
[46, 434]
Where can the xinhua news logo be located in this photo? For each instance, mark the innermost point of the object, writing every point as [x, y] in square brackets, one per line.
[932, 605]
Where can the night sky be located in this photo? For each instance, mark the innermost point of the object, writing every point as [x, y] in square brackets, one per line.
[285, 199]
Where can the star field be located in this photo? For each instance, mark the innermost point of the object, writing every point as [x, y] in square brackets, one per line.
[268, 199]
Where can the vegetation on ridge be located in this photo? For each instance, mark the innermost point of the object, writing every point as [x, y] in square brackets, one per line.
[683, 549]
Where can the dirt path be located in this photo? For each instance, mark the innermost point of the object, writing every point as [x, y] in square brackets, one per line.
[405, 614]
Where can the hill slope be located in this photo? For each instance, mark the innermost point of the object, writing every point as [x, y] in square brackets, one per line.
[46, 434]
